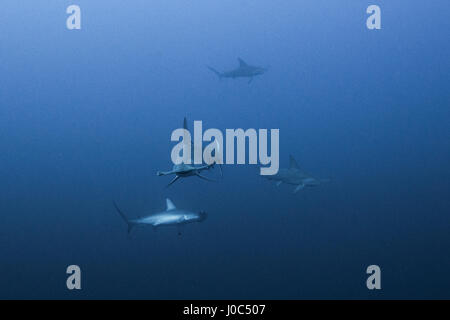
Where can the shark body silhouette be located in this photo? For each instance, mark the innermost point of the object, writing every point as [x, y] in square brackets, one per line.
[244, 70]
[295, 176]
[172, 216]
[183, 170]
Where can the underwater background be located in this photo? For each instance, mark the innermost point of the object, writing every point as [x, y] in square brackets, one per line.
[86, 117]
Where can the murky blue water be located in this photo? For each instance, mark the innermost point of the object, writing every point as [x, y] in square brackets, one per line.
[86, 117]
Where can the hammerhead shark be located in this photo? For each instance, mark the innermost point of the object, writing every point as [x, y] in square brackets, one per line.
[183, 170]
[243, 71]
[186, 170]
[293, 175]
[170, 217]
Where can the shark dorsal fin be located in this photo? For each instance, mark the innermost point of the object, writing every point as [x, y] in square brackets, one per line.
[185, 127]
[242, 63]
[292, 163]
[170, 205]
[185, 138]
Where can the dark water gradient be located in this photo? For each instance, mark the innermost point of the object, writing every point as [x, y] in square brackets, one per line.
[85, 117]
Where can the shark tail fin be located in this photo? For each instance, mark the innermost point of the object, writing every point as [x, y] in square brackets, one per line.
[219, 74]
[124, 217]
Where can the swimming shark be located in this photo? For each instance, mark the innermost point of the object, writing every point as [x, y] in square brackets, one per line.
[183, 170]
[170, 217]
[243, 71]
[293, 175]
[186, 170]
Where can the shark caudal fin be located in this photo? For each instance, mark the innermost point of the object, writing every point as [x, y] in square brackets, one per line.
[219, 74]
[124, 217]
[299, 187]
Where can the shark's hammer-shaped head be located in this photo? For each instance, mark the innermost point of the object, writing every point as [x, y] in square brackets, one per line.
[202, 215]
[259, 70]
[193, 216]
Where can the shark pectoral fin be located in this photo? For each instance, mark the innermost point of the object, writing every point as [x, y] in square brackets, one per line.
[130, 227]
[279, 183]
[250, 81]
[173, 181]
[299, 187]
[163, 173]
[180, 229]
[205, 178]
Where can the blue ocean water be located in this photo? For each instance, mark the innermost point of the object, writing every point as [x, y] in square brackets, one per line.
[86, 117]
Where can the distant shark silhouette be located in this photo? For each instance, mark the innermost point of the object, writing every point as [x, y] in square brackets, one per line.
[170, 217]
[243, 71]
[295, 176]
[183, 170]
